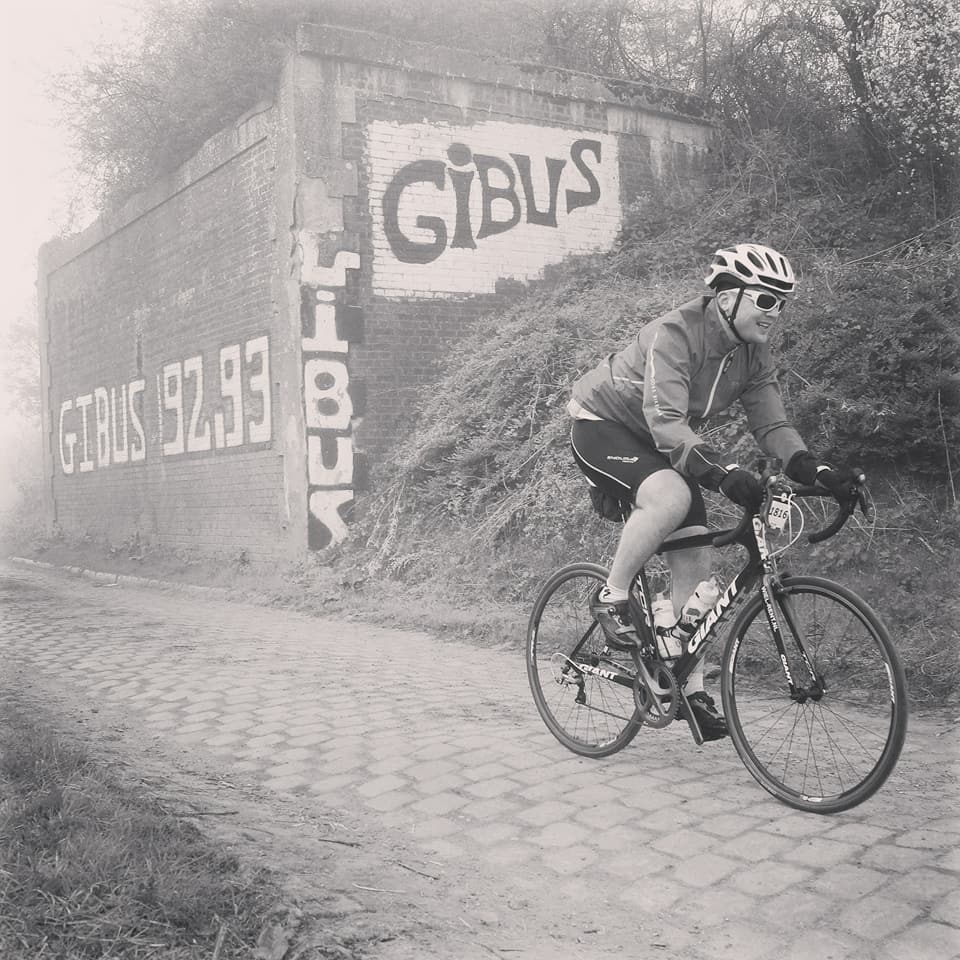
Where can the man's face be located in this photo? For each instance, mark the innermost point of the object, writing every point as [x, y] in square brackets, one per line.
[759, 310]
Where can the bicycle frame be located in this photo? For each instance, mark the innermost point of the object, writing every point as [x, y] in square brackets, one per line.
[792, 642]
[759, 572]
[760, 568]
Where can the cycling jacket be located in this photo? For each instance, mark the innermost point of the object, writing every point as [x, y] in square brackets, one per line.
[678, 371]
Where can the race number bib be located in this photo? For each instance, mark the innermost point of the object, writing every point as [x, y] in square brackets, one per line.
[779, 513]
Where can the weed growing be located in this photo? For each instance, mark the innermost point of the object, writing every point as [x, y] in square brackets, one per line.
[92, 869]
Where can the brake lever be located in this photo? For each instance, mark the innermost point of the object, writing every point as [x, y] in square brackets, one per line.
[859, 495]
[865, 500]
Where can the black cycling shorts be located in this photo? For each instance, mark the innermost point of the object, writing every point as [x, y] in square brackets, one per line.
[617, 461]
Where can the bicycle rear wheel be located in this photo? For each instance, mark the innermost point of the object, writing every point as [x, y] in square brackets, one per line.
[833, 748]
[588, 712]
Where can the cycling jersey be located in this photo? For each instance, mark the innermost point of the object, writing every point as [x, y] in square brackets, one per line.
[678, 371]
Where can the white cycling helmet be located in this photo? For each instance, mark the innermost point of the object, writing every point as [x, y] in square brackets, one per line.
[753, 265]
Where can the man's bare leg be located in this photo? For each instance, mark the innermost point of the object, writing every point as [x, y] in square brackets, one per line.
[662, 502]
[687, 569]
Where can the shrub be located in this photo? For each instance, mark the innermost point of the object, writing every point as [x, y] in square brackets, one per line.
[878, 362]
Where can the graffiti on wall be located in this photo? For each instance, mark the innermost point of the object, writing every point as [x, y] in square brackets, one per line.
[456, 208]
[238, 402]
[330, 402]
[228, 407]
[102, 428]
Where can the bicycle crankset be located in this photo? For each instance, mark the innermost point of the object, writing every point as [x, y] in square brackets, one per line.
[656, 695]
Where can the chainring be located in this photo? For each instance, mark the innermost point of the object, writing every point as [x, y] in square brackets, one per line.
[657, 710]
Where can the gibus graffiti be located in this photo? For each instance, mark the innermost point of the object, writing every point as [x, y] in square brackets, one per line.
[103, 427]
[437, 172]
[475, 204]
[329, 402]
[108, 426]
[239, 403]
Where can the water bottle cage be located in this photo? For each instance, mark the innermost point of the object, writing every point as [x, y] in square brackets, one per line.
[672, 640]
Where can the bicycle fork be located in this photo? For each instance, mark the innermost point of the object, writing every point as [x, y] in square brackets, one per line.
[776, 598]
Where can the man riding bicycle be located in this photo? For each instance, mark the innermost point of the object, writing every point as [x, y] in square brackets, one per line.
[635, 431]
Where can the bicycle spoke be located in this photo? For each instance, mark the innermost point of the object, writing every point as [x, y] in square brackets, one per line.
[831, 742]
[789, 744]
[812, 756]
[835, 749]
[590, 714]
[779, 715]
[851, 726]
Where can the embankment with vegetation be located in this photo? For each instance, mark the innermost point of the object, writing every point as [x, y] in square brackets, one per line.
[483, 498]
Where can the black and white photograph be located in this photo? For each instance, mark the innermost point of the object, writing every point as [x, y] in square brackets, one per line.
[480, 479]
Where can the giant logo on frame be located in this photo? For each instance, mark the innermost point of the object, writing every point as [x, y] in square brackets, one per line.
[456, 208]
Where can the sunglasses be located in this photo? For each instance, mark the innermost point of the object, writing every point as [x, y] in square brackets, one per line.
[767, 302]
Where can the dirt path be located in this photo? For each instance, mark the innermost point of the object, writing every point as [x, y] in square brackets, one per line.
[410, 794]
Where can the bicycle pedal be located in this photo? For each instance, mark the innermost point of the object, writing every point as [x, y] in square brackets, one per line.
[685, 711]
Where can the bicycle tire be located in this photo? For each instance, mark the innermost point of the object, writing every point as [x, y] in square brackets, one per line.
[854, 732]
[561, 633]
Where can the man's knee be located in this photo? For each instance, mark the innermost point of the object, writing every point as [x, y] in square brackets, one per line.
[667, 493]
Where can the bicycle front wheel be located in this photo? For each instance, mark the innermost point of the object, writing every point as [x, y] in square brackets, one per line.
[573, 677]
[832, 742]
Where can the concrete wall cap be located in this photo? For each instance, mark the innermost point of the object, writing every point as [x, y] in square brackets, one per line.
[341, 43]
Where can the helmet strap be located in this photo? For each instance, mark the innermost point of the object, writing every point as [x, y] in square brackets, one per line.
[732, 315]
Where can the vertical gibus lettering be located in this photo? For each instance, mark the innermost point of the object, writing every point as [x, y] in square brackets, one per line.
[324, 507]
[326, 389]
[330, 471]
[324, 327]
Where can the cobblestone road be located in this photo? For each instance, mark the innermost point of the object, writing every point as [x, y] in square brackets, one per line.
[439, 742]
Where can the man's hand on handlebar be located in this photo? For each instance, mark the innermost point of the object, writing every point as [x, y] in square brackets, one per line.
[743, 488]
[841, 482]
[847, 487]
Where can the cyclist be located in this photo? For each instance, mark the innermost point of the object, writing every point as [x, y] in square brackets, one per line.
[635, 432]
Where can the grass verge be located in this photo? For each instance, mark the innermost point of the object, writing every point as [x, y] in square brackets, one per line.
[91, 868]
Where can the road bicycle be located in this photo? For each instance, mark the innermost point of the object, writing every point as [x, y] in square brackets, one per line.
[812, 688]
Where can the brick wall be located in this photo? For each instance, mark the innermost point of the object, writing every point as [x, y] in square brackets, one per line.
[442, 181]
[161, 354]
[225, 358]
